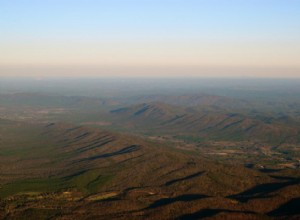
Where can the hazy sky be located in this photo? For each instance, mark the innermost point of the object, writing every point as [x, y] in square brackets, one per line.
[207, 37]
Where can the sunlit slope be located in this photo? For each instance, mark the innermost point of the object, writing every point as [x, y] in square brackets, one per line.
[80, 157]
[66, 172]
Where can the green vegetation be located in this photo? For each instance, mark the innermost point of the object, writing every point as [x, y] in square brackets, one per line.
[194, 139]
[31, 186]
[186, 155]
[88, 182]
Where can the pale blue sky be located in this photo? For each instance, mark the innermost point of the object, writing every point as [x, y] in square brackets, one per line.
[150, 32]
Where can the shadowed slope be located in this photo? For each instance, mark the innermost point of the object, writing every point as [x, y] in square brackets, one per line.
[288, 209]
[79, 172]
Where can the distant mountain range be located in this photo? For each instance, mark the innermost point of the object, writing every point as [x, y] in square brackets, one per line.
[199, 115]
[168, 119]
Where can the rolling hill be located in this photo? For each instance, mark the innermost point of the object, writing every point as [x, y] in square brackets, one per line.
[206, 124]
[65, 171]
